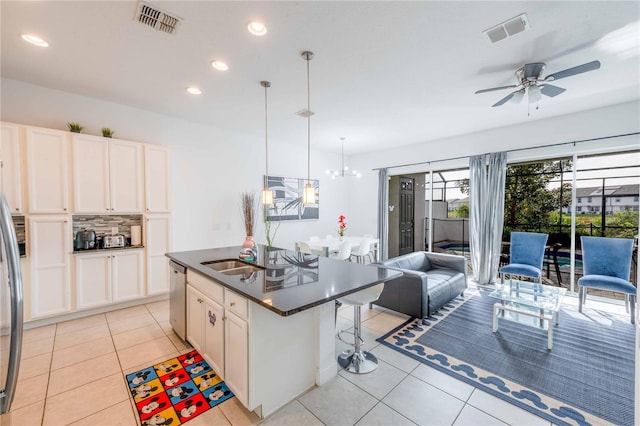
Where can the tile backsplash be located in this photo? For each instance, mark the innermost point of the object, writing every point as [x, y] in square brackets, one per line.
[103, 224]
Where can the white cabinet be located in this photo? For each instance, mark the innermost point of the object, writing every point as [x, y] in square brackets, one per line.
[49, 240]
[157, 236]
[205, 328]
[127, 275]
[47, 171]
[103, 278]
[90, 174]
[157, 173]
[93, 280]
[125, 160]
[107, 175]
[11, 170]
[236, 355]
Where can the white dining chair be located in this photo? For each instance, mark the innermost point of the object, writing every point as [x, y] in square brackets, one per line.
[344, 253]
[363, 250]
[303, 247]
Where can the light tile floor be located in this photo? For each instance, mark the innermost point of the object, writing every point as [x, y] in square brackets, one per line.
[73, 373]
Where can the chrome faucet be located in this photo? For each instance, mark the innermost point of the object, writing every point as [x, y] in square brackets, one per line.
[250, 251]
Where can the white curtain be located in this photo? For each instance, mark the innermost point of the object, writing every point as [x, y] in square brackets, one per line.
[383, 213]
[486, 213]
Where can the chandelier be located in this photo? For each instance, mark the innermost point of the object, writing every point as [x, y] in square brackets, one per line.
[344, 170]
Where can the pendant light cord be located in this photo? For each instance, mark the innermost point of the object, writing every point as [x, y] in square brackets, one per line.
[266, 140]
[342, 169]
[308, 123]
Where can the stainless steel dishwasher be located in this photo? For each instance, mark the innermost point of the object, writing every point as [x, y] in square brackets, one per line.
[178, 299]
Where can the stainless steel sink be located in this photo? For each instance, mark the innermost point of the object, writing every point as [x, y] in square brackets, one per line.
[232, 266]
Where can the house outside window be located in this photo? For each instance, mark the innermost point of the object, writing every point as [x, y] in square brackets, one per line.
[617, 199]
[579, 209]
[579, 199]
[589, 199]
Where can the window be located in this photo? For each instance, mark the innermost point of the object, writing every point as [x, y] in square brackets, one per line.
[589, 199]
[597, 209]
[579, 199]
[635, 198]
[617, 199]
[579, 209]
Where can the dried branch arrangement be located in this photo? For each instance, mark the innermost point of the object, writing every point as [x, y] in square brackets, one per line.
[248, 212]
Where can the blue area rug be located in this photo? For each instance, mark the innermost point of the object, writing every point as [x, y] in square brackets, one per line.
[588, 377]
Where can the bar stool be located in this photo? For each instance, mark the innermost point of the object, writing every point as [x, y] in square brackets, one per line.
[359, 361]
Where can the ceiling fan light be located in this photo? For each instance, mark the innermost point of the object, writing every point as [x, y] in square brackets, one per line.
[517, 96]
[534, 94]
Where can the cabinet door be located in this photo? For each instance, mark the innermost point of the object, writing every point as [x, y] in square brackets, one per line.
[236, 348]
[127, 276]
[49, 240]
[157, 243]
[47, 170]
[157, 180]
[195, 318]
[90, 174]
[125, 176]
[93, 280]
[214, 335]
[11, 171]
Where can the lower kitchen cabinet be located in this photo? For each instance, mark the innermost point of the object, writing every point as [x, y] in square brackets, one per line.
[236, 355]
[205, 328]
[50, 284]
[103, 278]
[157, 242]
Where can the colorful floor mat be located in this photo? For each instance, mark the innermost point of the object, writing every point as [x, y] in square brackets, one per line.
[176, 390]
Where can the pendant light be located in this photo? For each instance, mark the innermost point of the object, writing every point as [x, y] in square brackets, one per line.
[267, 194]
[309, 193]
[344, 170]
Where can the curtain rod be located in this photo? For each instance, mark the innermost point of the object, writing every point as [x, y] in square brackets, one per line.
[511, 150]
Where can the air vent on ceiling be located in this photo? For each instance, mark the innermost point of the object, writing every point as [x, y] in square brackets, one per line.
[508, 28]
[157, 19]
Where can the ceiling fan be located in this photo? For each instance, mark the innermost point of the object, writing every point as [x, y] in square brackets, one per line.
[530, 81]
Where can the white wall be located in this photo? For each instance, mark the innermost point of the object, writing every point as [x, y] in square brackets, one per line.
[613, 120]
[210, 167]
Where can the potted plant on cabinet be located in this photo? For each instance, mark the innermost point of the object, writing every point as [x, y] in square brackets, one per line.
[75, 127]
[107, 132]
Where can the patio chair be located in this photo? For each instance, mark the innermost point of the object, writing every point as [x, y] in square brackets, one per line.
[606, 263]
[526, 254]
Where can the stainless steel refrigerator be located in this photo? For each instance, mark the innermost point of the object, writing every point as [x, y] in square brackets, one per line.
[10, 307]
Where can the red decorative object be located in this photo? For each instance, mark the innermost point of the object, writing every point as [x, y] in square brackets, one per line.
[342, 225]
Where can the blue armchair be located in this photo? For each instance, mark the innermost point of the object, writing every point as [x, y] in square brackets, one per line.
[606, 264]
[526, 255]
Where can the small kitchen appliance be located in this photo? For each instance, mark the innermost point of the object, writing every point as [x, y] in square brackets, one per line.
[110, 241]
[85, 239]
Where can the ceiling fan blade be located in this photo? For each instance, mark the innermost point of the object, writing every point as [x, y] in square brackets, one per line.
[533, 70]
[505, 99]
[589, 66]
[496, 88]
[550, 90]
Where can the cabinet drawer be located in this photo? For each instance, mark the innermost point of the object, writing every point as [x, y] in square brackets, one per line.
[206, 285]
[236, 304]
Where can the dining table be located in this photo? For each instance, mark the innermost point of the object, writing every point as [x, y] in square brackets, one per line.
[324, 246]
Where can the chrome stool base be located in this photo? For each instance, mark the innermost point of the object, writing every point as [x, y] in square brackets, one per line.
[358, 362]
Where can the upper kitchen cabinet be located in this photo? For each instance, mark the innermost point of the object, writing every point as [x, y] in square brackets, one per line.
[107, 175]
[47, 171]
[10, 161]
[157, 169]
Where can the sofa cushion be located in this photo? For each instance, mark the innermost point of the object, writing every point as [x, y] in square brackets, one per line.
[443, 285]
[416, 261]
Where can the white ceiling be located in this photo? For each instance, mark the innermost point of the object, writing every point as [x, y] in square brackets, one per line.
[384, 74]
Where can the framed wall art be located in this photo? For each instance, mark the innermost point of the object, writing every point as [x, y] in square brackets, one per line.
[287, 199]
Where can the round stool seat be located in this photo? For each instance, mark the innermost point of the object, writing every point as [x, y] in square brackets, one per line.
[363, 297]
[359, 361]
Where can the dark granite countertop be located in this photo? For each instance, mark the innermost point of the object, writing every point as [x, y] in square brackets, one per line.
[291, 281]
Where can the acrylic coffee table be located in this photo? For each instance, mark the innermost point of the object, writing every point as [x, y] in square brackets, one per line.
[528, 299]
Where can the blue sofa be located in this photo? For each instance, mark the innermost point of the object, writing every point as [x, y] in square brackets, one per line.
[429, 281]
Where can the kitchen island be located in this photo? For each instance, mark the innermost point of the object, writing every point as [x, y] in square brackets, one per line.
[267, 326]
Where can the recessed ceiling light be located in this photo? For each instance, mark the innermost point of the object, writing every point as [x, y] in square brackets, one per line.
[30, 38]
[194, 90]
[219, 65]
[257, 28]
